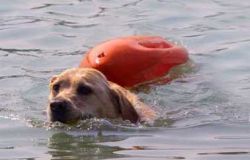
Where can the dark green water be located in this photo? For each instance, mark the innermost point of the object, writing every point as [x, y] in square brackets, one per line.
[205, 114]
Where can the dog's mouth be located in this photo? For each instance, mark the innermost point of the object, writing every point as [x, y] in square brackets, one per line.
[67, 118]
[85, 116]
[73, 121]
[64, 119]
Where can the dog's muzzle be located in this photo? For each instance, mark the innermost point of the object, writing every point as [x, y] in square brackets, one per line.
[59, 109]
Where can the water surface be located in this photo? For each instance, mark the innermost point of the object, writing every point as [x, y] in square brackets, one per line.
[204, 114]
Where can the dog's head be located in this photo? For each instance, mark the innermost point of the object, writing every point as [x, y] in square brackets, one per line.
[80, 93]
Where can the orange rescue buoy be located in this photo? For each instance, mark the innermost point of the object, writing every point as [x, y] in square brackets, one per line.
[133, 60]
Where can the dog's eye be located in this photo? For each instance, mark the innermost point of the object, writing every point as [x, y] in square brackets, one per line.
[84, 90]
[56, 87]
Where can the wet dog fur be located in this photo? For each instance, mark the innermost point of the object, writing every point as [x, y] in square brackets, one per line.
[81, 93]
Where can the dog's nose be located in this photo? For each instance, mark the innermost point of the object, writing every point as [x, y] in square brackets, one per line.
[58, 107]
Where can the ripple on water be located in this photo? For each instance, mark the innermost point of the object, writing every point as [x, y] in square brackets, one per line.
[41, 38]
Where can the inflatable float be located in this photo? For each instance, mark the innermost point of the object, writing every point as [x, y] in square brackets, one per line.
[133, 60]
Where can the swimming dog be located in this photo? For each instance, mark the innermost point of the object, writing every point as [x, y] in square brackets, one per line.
[81, 93]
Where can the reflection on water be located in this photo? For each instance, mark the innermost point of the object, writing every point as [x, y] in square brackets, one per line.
[84, 140]
[208, 141]
[66, 146]
[204, 114]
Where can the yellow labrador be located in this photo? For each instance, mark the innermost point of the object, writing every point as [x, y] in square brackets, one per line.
[81, 93]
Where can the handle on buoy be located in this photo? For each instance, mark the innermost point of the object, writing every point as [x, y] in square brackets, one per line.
[133, 60]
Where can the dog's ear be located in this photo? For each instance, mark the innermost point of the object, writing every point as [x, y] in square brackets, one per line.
[124, 106]
[53, 78]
